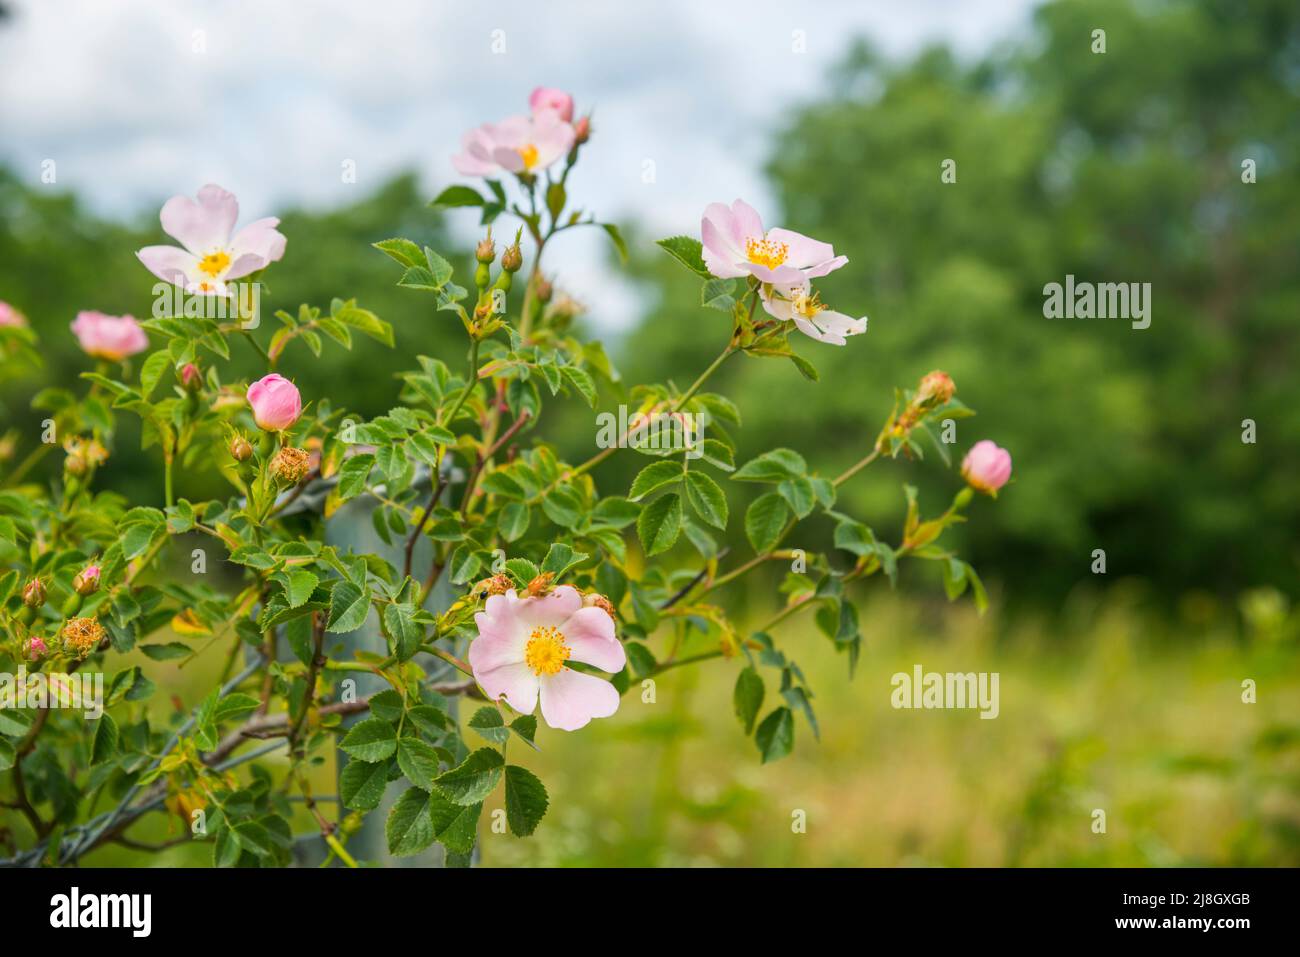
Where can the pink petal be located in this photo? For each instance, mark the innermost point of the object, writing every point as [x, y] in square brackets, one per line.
[501, 639]
[169, 263]
[254, 246]
[802, 252]
[589, 633]
[829, 266]
[553, 609]
[571, 699]
[748, 222]
[515, 683]
[720, 255]
[203, 226]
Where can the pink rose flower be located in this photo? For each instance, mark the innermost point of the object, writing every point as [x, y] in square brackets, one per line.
[521, 650]
[276, 402]
[986, 467]
[9, 316]
[212, 255]
[736, 245]
[109, 337]
[520, 144]
[549, 98]
[800, 304]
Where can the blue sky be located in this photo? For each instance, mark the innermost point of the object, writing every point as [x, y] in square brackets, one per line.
[136, 101]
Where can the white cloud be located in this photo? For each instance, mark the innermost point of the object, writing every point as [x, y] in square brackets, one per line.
[282, 94]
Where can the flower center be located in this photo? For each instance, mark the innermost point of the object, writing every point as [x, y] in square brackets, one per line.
[214, 264]
[766, 252]
[807, 305]
[546, 651]
[528, 153]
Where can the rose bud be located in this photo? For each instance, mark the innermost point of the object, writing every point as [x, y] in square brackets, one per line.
[191, 378]
[935, 389]
[240, 449]
[276, 402]
[36, 648]
[486, 251]
[986, 467]
[544, 289]
[597, 600]
[549, 98]
[34, 594]
[582, 131]
[513, 258]
[87, 581]
[291, 465]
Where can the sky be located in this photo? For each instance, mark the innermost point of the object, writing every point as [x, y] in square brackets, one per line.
[135, 101]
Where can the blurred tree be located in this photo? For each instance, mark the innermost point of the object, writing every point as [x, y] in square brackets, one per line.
[1123, 166]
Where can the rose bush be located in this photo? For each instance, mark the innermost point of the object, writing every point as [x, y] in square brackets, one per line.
[565, 593]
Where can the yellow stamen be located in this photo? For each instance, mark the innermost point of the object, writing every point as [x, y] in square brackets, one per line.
[214, 264]
[546, 651]
[807, 305]
[766, 252]
[528, 153]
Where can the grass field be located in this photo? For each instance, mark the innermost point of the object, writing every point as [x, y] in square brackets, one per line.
[1102, 712]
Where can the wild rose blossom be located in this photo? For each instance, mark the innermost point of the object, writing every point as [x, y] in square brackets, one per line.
[276, 402]
[109, 337]
[9, 316]
[519, 144]
[986, 467]
[522, 648]
[809, 314]
[212, 255]
[549, 98]
[736, 245]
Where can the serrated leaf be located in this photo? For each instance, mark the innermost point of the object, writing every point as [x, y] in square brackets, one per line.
[765, 521]
[362, 784]
[688, 251]
[775, 736]
[660, 523]
[373, 739]
[707, 499]
[409, 827]
[526, 800]
[748, 698]
[654, 476]
[349, 606]
[473, 779]
[418, 761]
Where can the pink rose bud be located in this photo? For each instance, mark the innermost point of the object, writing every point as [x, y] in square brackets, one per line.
[582, 130]
[547, 98]
[276, 402]
[9, 316]
[191, 377]
[87, 581]
[35, 648]
[986, 467]
[109, 337]
[34, 593]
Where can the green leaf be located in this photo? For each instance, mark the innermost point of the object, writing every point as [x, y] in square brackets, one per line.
[798, 493]
[660, 523]
[166, 652]
[581, 381]
[353, 475]
[617, 239]
[455, 826]
[688, 251]
[774, 466]
[526, 800]
[718, 294]
[565, 506]
[748, 697]
[707, 499]
[298, 584]
[806, 368]
[513, 521]
[654, 476]
[402, 250]
[151, 371]
[765, 521]
[560, 558]
[105, 743]
[521, 570]
[349, 606]
[456, 196]
[775, 736]
[362, 784]
[409, 828]
[407, 633]
[232, 706]
[472, 780]
[487, 721]
[371, 740]
[418, 761]
[555, 199]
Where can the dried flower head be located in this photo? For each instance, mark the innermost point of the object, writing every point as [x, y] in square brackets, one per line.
[83, 635]
[291, 465]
